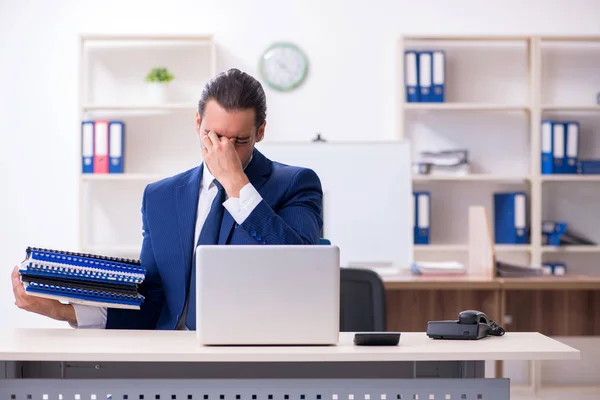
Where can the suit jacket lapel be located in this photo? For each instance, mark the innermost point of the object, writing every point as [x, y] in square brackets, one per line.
[187, 207]
[257, 172]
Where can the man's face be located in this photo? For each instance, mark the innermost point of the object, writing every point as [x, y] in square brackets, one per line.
[237, 125]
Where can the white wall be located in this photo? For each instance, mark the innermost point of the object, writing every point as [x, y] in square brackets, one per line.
[349, 93]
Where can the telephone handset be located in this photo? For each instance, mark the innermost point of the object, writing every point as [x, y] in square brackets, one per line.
[471, 324]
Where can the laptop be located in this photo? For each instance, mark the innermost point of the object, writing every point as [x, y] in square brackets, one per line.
[267, 295]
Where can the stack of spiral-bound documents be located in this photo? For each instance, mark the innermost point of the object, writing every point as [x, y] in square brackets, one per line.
[83, 278]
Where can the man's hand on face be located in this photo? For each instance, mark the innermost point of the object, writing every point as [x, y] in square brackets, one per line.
[224, 163]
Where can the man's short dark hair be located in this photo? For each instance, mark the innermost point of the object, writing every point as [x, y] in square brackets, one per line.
[235, 90]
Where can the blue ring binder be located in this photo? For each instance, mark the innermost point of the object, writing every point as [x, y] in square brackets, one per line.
[83, 278]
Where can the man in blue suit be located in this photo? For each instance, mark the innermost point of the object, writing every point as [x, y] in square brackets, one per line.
[236, 196]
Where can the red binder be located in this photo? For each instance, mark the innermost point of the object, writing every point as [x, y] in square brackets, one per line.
[101, 147]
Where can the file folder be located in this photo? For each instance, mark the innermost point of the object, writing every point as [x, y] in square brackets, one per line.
[572, 147]
[116, 142]
[588, 167]
[546, 269]
[547, 143]
[551, 239]
[83, 278]
[438, 76]
[554, 268]
[422, 217]
[559, 269]
[87, 147]
[554, 227]
[411, 76]
[558, 148]
[101, 147]
[510, 218]
[425, 76]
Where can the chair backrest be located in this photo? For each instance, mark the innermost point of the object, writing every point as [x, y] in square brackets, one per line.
[362, 301]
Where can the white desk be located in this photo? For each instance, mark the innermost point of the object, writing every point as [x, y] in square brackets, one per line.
[176, 364]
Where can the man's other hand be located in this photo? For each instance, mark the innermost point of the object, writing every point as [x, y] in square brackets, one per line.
[47, 307]
[224, 163]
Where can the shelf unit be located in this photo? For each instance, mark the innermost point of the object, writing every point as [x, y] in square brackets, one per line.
[472, 178]
[463, 248]
[529, 99]
[160, 138]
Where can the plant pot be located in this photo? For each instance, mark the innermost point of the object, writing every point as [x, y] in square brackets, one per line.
[157, 92]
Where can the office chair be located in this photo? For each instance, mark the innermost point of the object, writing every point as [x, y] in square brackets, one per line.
[362, 301]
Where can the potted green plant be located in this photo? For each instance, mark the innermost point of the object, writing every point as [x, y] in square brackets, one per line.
[157, 81]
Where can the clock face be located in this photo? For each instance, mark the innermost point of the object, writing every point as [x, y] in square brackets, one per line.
[284, 66]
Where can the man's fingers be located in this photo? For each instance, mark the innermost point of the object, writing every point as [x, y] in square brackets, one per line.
[15, 278]
[206, 142]
[212, 135]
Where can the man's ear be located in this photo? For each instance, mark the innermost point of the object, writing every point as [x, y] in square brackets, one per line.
[260, 134]
[198, 121]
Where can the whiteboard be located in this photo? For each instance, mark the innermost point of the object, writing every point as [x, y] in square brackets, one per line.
[367, 196]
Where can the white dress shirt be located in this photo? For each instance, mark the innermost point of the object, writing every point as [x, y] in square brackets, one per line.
[90, 317]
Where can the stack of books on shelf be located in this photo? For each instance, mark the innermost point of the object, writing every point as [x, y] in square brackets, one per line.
[560, 150]
[102, 147]
[510, 270]
[425, 76]
[438, 268]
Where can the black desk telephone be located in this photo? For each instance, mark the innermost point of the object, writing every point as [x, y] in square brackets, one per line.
[471, 325]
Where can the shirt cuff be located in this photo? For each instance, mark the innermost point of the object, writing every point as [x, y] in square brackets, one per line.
[89, 317]
[240, 208]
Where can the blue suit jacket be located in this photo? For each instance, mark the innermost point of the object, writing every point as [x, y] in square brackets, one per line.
[289, 213]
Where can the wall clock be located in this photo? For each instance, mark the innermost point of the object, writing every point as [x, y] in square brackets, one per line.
[283, 66]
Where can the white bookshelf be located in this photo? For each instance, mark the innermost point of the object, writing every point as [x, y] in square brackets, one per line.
[571, 249]
[122, 177]
[160, 138]
[465, 107]
[471, 178]
[452, 248]
[139, 107]
[498, 90]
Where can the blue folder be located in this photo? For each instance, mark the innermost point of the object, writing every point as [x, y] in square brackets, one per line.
[422, 206]
[87, 147]
[547, 146]
[411, 76]
[510, 218]
[438, 76]
[571, 147]
[116, 142]
[588, 167]
[426, 76]
[559, 164]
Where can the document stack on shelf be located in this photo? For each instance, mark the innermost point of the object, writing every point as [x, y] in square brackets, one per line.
[425, 76]
[102, 147]
[438, 268]
[83, 278]
[445, 162]
[509, 270]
